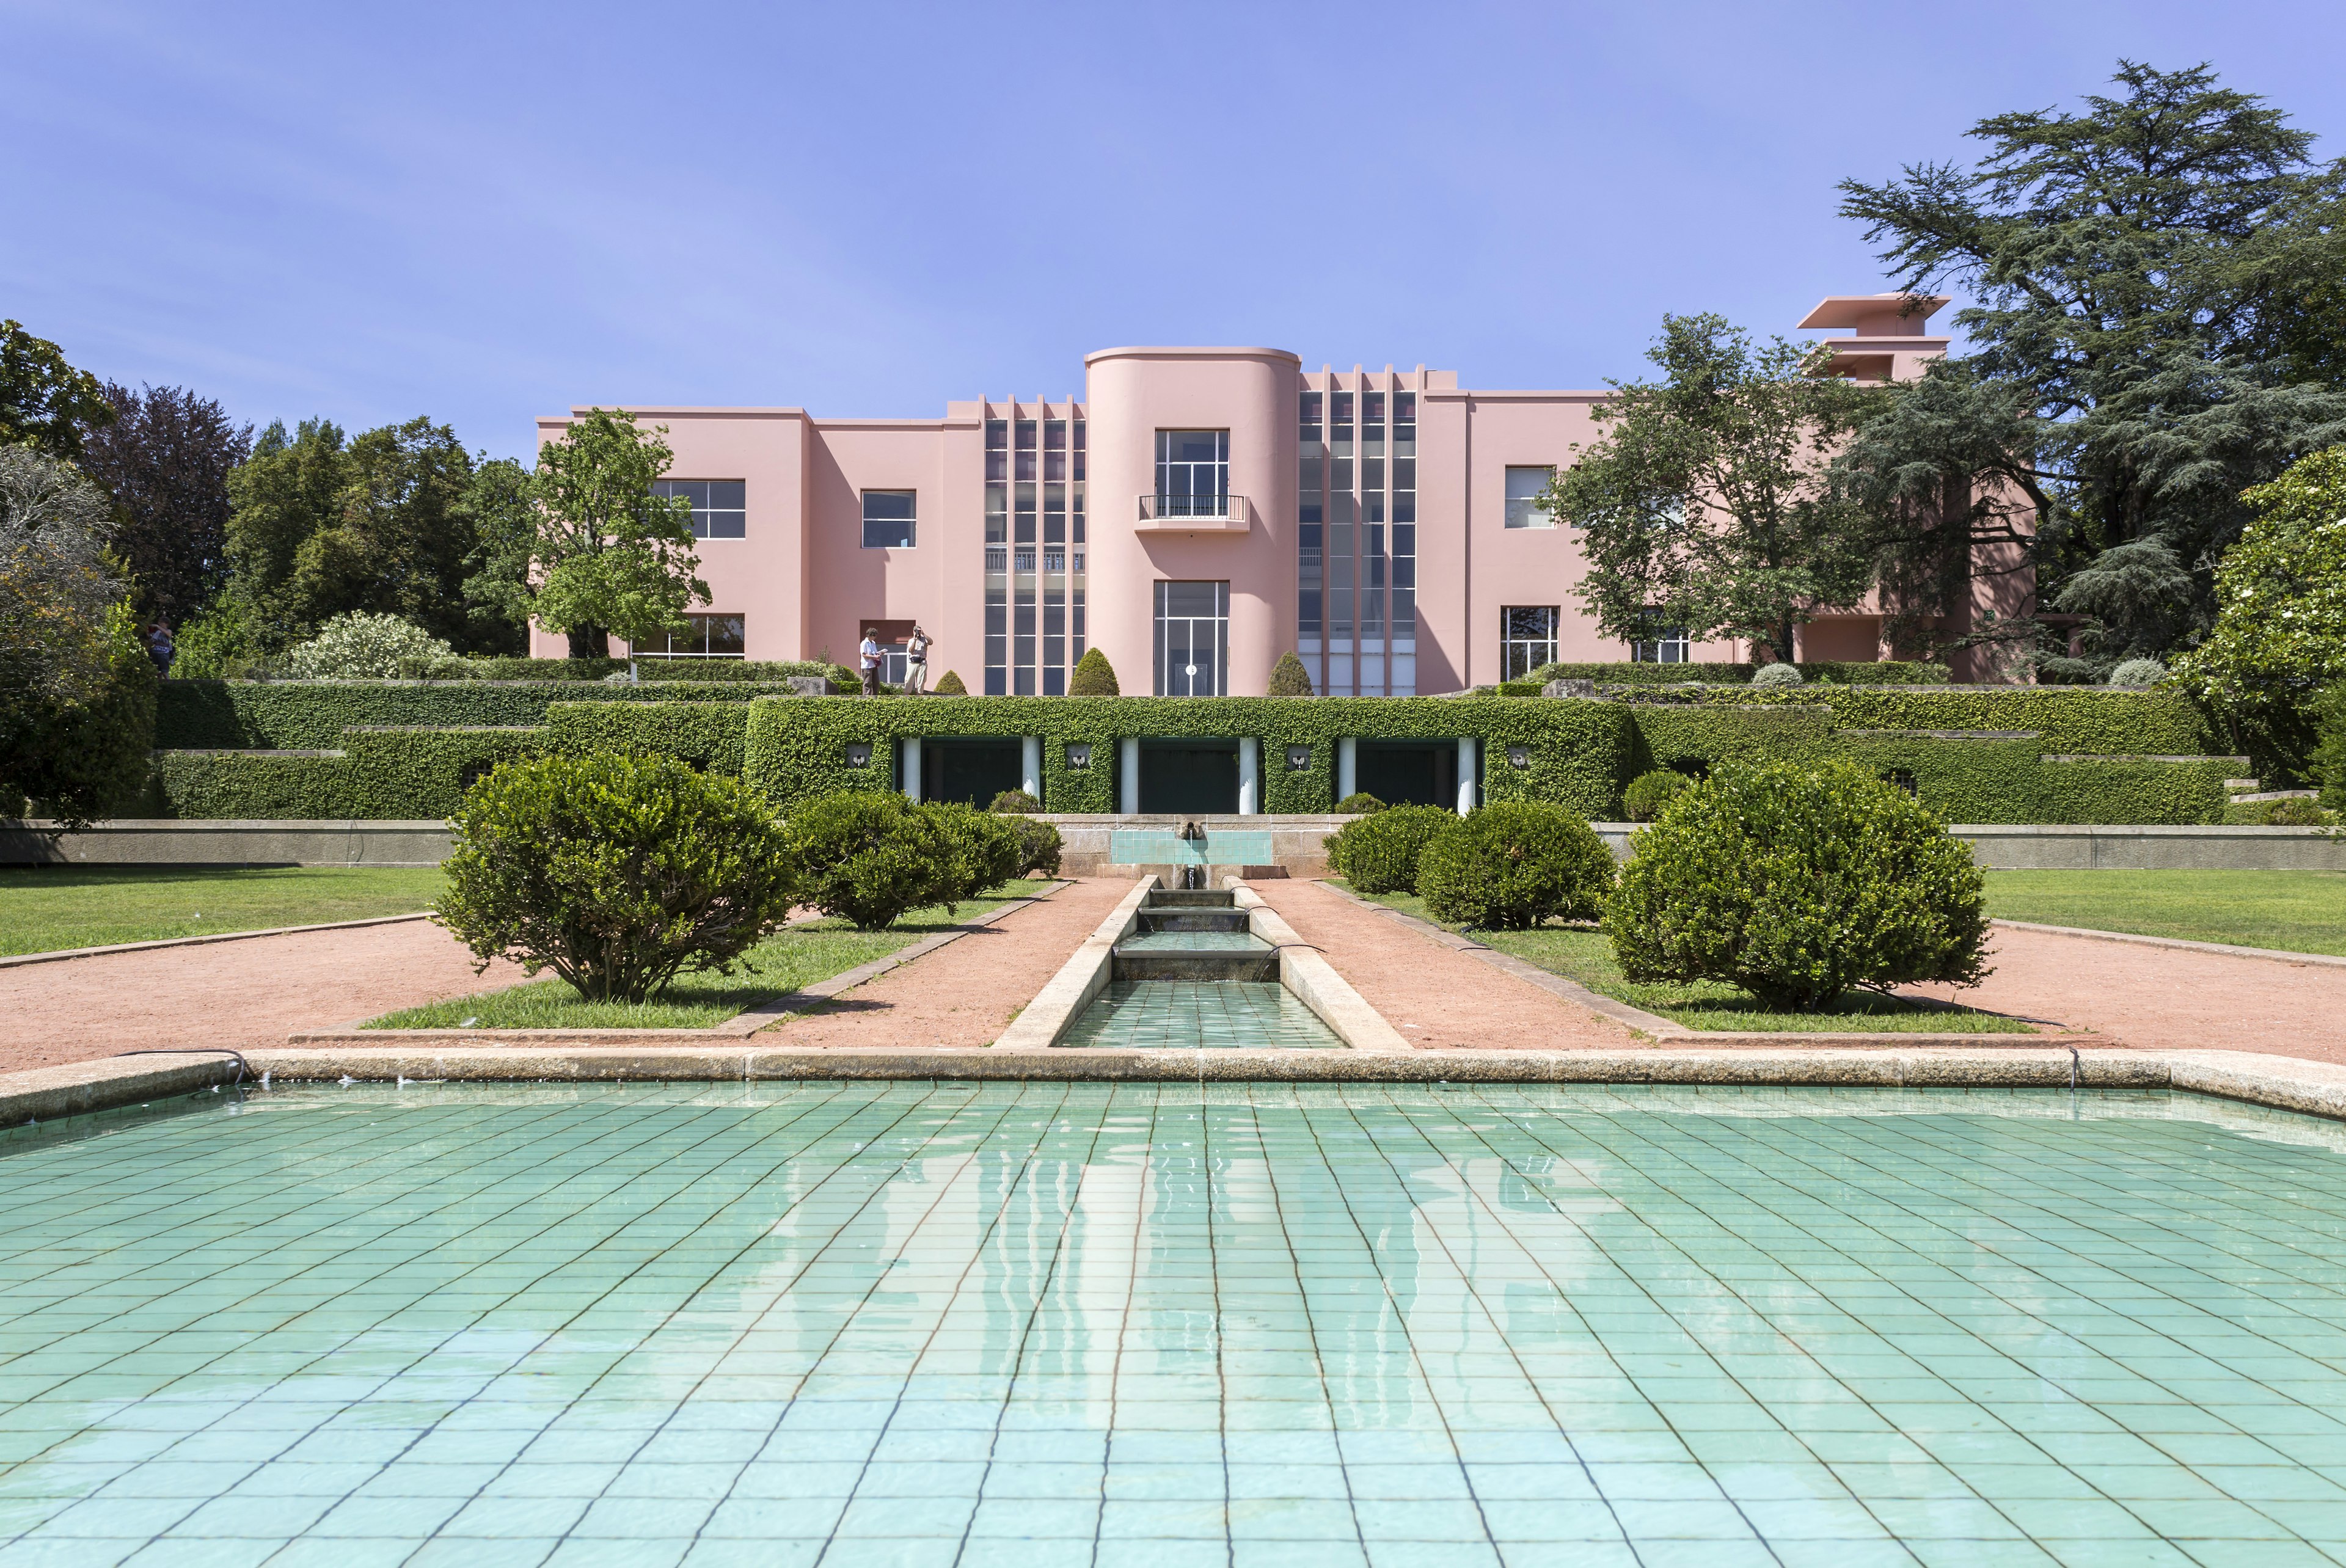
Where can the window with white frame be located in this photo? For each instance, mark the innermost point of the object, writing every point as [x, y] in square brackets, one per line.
[887, 519]
[1193, 473]
[1527, 634]
[1657, 642]
[720, 506]
[1527, 497]
[704, 636]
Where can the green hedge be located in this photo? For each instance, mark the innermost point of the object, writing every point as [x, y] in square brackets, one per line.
[1991, 781]
[707, 736]
[1579, 752]
[1888, 672]
[311, 714]
[384, 774]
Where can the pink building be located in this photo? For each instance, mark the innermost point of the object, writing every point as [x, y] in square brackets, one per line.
[1198, 513]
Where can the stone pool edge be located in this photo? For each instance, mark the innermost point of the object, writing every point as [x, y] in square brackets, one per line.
[2282, 1082]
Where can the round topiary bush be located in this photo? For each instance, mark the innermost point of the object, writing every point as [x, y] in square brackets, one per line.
[1289, 677]
[1092, 677]
[1511, 865]
[981, 852]
[1649, 793]
[1358, 803]
[1379, 852]
[363, 646]
[1799, 883]
[616, 873]
[2139, 673]
[1016, 800]
[1039, 846]
[950, 685]
[1775, 674]
[865, 856]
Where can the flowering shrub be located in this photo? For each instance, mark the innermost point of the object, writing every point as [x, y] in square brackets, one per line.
[362, 647]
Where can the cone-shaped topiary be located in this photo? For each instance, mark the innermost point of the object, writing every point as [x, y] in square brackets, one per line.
[950, 685]
[1093, 678]
[1289, 677]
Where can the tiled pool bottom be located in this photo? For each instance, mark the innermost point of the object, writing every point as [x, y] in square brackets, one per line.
[1201, 1015]
[1166, 1325]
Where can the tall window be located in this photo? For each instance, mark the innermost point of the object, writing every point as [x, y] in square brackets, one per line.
[1528, 639]
[1193, 639]
[887, 519]
[704, 636]
[1033, 582]
[1525, 509]
[1658, 643]
[720, 507]
[1193, 472]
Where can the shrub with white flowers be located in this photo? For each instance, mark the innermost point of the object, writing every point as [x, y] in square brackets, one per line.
[362, 647]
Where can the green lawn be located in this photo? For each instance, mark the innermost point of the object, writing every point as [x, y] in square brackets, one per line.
[782, 963]
[1581, 953]
[46, 907]
[2296, 911]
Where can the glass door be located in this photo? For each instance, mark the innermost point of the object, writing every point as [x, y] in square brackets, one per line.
[1193, 634]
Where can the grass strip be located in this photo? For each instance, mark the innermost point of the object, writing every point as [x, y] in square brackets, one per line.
[1582, 954]
[785, 961]
[2294, 911]
[49, 908]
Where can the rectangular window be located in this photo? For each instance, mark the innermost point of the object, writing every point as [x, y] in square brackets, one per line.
[1659, 644]
[1193, 639]
[704, 636]
[720, 506]
[1193, 473]
[1525, 488]
[887, 519]
[1528, 639]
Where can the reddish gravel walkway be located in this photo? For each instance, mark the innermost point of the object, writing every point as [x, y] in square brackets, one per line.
[966, 992]
[255, 991]
[2165, 998]
[1438, 998]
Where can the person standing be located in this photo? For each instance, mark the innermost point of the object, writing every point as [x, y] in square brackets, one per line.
[160, 646]
[868, 653]
[916, 662]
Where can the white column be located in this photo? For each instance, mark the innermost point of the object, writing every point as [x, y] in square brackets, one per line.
[1465, 776]
[1249, 776]
[1129, 768]
[912, 779]
[1030, 764]
[1347, 768]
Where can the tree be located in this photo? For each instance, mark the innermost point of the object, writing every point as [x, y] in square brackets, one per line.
[45, 403]
[612, 558]
[285, 493]
[1707, 504]
[2279, 633]
[165, 459]
[2157, 293]
[76, 690]
[503, 516]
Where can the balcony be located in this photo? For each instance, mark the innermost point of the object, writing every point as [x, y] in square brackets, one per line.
[1216, 513]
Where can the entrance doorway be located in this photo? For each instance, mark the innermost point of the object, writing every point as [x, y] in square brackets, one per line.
[1189, 778]
[1408, 772]
[971, 772]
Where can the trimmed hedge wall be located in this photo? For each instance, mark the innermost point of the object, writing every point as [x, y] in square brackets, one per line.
[310, 715]
[707, 736]
[1888, 672]
[384, 774]
[1579, 751]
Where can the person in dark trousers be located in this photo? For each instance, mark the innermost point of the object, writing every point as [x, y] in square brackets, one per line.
[160, 647]
[870, 654]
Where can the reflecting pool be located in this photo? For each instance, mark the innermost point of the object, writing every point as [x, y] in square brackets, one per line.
[1067, 1323]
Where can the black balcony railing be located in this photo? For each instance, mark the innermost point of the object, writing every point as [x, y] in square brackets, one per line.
[1160, 508]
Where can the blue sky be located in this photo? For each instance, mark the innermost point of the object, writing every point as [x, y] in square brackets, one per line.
[484, 212]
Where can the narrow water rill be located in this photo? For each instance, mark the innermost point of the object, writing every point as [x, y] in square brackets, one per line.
[1193, 975]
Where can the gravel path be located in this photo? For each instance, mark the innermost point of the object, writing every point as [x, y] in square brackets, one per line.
[253, 992]
[966, 992]
[1438, 998]
[2165, 998]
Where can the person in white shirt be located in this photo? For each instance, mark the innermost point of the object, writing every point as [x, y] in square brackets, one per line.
[870, 654]
[916, 662]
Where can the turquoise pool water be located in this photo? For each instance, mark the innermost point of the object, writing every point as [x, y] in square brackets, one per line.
[1057, 1323]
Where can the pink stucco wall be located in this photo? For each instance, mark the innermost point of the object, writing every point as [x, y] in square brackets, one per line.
[802, 580]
